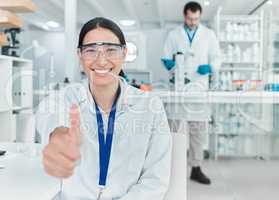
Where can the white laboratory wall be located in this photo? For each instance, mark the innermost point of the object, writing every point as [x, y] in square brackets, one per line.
[139, 39]
[155, 40]
[150, 45]
[53, 42]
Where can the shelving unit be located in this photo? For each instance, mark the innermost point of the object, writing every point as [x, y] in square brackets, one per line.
[16, 99]
[238, 69]
[18, 6]
[273, 44]
[240, 18]
[241, 130]
[9, 20]
[241, 41]
[273, 75]
[238, 134]
[3, 39]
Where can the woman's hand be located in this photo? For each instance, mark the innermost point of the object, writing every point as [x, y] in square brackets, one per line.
[62, 152]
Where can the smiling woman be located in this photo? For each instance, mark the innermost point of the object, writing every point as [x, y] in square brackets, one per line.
[118, 135]
[102, 49]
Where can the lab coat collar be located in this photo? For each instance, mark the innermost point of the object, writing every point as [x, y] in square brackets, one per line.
[200, 28]
[125, 101]
[186, 27]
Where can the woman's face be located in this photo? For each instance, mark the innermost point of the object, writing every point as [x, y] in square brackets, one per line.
[101, 60]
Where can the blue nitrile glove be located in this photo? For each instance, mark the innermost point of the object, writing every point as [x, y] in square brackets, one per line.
[204, 70]
[275, 87]
[168, 63]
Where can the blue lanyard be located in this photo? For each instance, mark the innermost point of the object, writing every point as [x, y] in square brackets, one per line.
[191, 38]
[105, 144]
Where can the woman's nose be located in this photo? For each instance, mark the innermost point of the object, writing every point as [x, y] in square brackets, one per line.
[101, 59]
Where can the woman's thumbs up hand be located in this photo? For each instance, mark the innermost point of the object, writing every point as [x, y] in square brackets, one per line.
[63, 151]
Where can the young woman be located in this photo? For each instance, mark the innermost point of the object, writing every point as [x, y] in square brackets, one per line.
[103, 138]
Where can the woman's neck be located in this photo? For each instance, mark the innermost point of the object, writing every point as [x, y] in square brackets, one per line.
[104, 95]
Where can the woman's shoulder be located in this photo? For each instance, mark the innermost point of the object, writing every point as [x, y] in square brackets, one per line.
[146, 99]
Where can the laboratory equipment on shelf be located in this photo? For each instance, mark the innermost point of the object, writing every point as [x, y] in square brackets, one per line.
[273, 42]
[239, 81]
[240, 31]
[12, 48]
[234, 54]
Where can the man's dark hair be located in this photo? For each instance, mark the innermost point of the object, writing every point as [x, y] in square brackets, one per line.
[192, 6]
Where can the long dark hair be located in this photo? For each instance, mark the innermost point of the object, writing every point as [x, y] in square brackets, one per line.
[100, 22]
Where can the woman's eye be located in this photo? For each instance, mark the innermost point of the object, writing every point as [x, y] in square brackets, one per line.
[90, 50]
[111, 50]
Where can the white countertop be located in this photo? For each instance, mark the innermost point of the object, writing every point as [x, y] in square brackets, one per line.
[207, 97]
[218, 97]
[14, 58]
[23, 177]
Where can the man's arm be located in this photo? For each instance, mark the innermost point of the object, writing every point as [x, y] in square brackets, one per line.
[168, 52]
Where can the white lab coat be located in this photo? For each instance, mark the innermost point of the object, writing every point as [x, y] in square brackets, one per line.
[141, 152]
[204, 50]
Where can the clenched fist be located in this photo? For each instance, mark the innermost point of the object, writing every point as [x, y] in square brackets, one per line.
[63, 150]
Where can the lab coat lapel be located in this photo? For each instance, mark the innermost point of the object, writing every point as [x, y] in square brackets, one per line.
[184, 35]
[196, 39]
[125, 102]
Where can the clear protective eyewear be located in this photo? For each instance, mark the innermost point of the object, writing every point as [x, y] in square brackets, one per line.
[111, 51]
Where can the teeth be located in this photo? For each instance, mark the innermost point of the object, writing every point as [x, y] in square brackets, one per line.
[102, 71]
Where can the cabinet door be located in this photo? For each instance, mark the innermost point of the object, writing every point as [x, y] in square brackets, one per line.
[27, 87]
[7, 134]
[5, 85]
[16, 86]
[25, 124]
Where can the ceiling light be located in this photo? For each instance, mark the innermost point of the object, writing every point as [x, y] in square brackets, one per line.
[53, 24]
[206, 3]
[127, 22]
[45, 27]
[269, 2]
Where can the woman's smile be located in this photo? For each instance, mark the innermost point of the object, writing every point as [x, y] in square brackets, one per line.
[102, 71]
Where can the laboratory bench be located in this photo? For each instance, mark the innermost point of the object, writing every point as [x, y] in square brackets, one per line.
[205, 97]
[211, 97]
[242, 124]
[21, 170]
[22, 176]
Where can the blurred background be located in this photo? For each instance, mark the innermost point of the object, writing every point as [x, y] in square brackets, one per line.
[38, 40]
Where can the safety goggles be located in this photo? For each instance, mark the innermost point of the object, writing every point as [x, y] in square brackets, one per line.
[111, 51]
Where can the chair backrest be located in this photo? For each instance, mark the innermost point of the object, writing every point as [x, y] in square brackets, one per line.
[178, 182]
